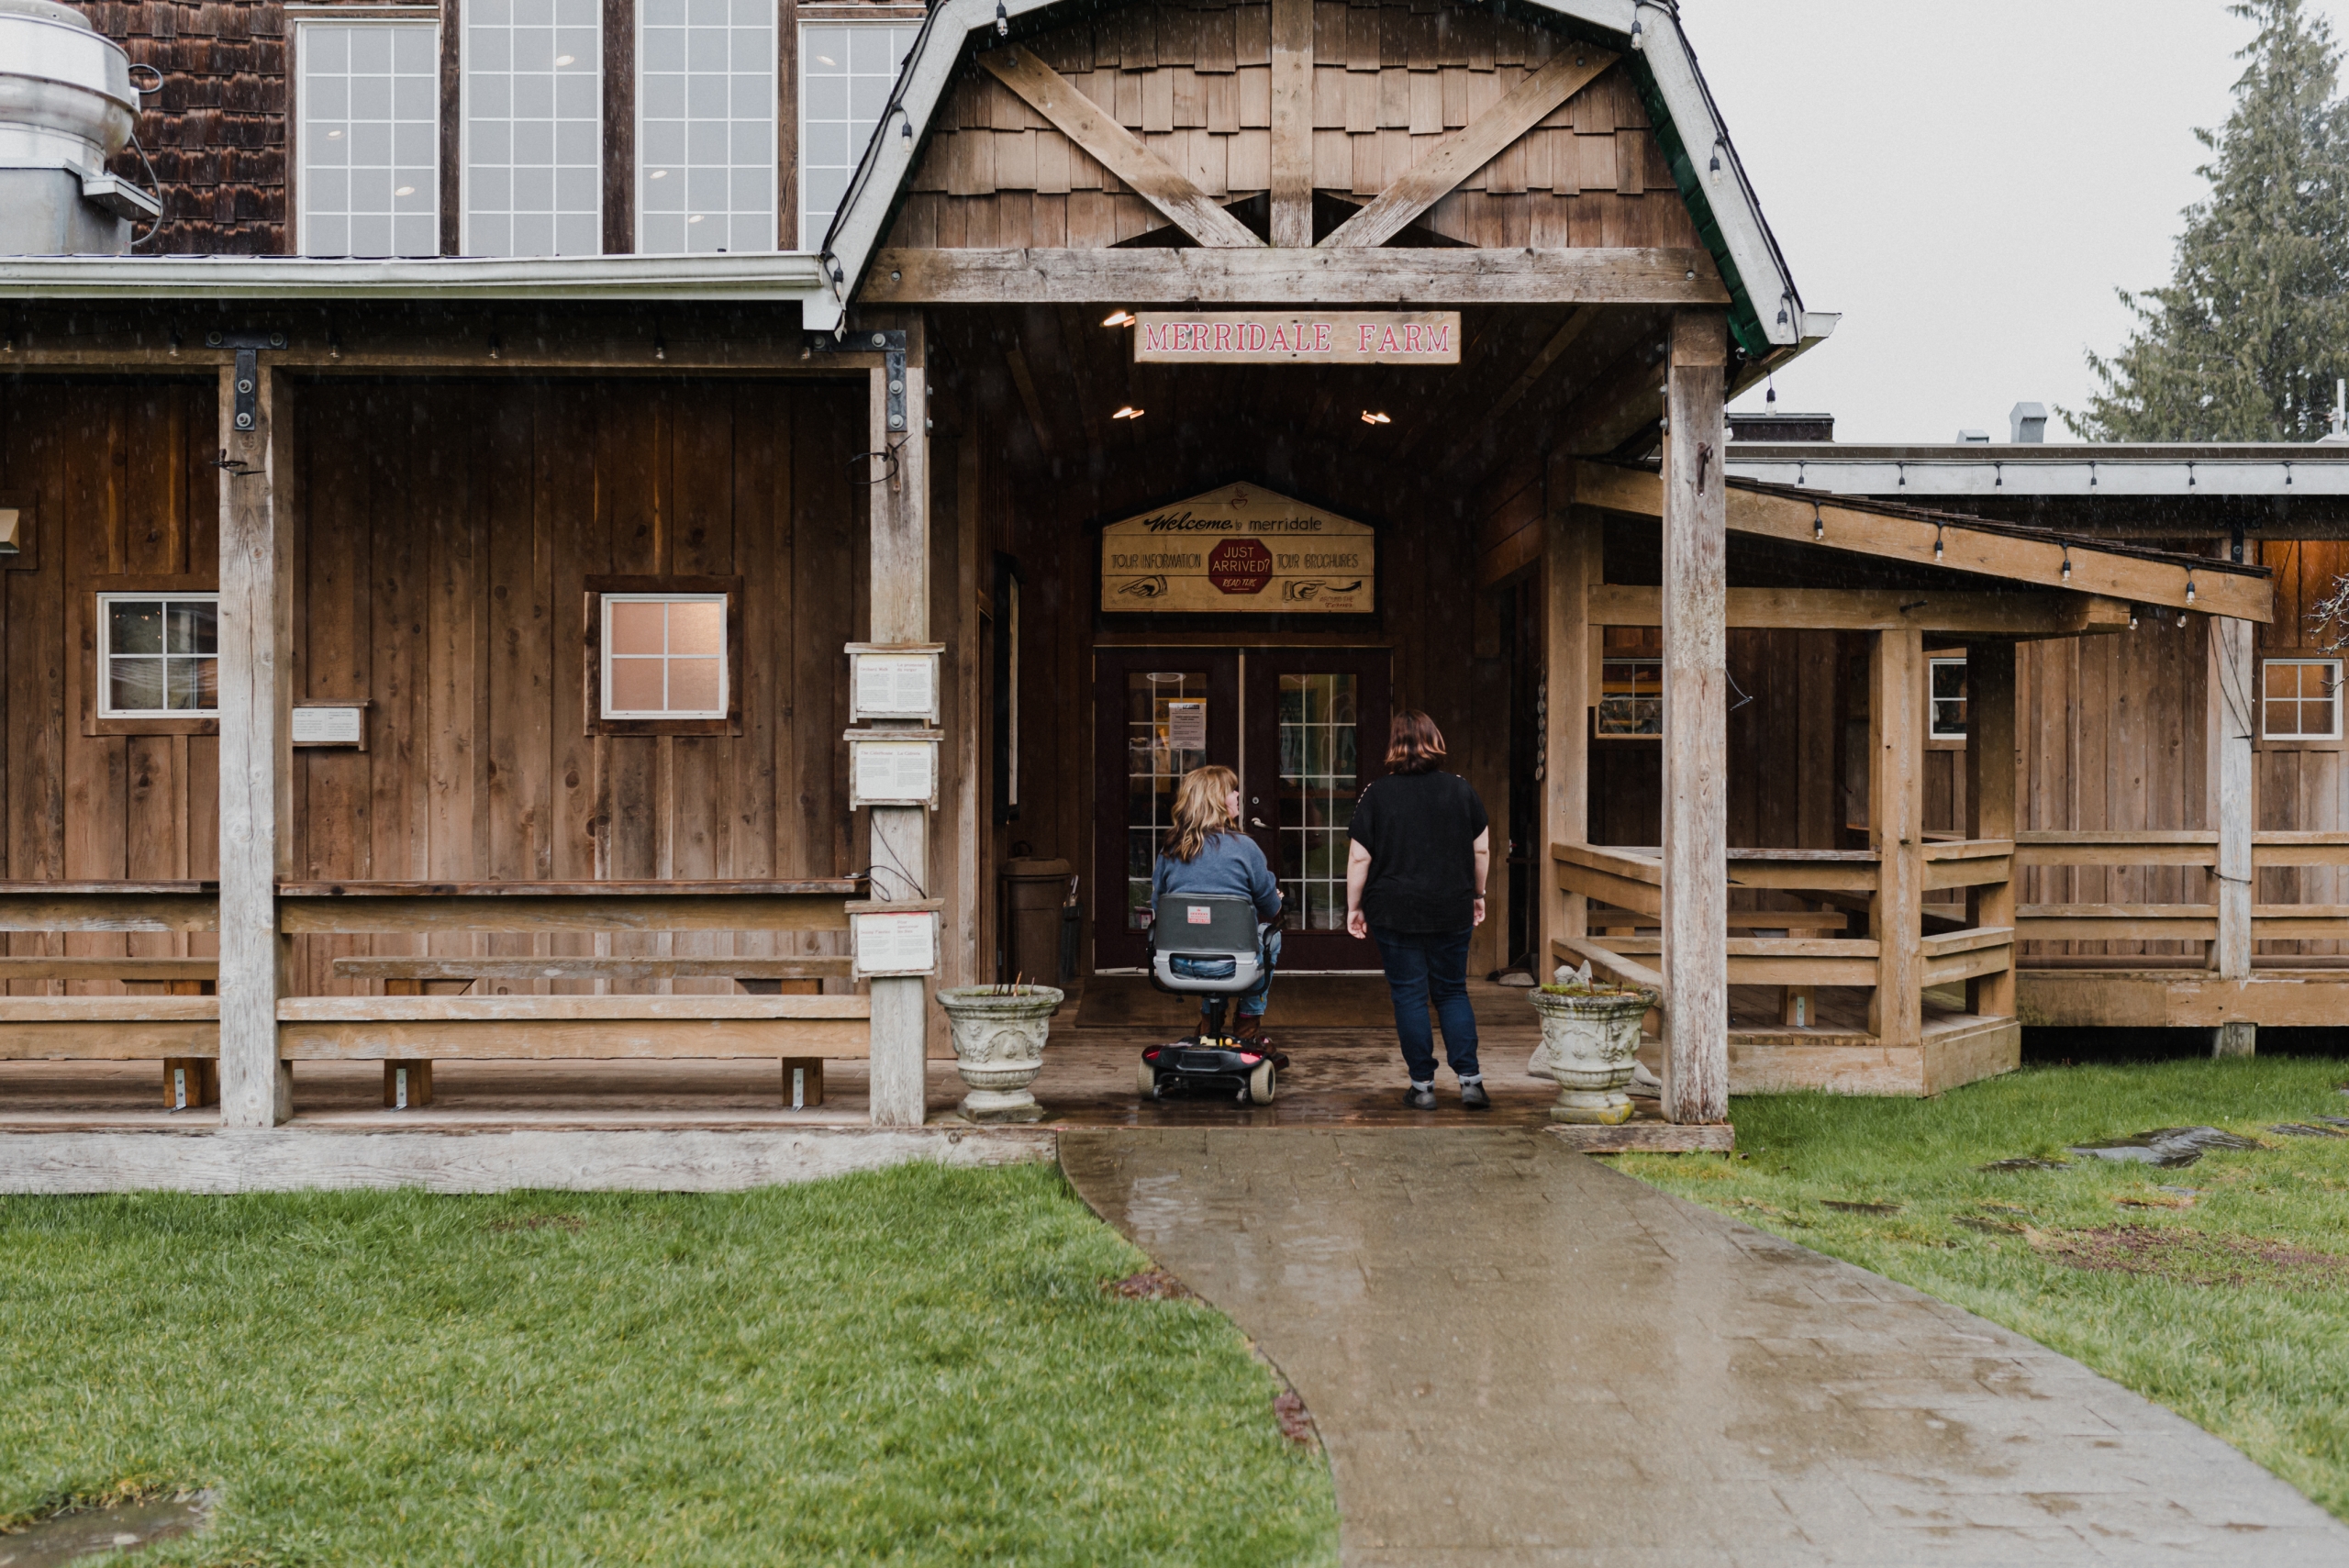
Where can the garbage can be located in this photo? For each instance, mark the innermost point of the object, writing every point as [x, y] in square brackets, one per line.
[1033, 889]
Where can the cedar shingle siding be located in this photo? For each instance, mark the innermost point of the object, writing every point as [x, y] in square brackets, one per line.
[216, 132]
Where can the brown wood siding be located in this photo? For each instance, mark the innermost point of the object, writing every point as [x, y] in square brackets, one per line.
[216, 132]
[121, 485]
[1195, 85]
[444, 583]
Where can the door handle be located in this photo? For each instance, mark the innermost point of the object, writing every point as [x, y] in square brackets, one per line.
[1255, 822]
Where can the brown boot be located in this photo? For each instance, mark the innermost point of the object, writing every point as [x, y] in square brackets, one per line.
[1249, 1030]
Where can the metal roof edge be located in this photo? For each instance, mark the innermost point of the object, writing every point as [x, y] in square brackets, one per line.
[2023, 453]
[771, 276]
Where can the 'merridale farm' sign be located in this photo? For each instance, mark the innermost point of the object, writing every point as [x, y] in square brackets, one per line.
[1242, 550]
[1316, 338]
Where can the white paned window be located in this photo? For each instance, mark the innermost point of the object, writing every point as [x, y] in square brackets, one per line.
[534, 127]
[665, 655]
[158, 655]
[845, 74]
[1948, 678]
[369, 98]
[705, 114]
[2299, 699]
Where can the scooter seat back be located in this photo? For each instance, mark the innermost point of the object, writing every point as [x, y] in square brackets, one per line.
[1206, 946]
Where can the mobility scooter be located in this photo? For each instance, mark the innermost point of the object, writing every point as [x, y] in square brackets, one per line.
[1212, 948]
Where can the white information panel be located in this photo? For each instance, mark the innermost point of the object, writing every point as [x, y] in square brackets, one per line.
[1186, 724]
[329, 727]
[892, 770]
[892, 682]
[895, 943]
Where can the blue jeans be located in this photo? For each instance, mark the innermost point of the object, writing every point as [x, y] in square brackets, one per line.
[1253, 1000]
[1422, 966]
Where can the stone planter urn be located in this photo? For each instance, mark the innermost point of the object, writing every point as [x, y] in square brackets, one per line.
[1591, 1040]
[999, 1046]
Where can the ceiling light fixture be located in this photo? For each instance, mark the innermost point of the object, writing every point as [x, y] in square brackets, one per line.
[1370, 418]
[1119, 318]
[1128, 412]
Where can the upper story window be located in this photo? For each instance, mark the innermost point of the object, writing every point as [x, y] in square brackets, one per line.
[367, 96]
[1630, 697]
[1948, 677]
[706, 120]
[846, 70]
[534, 127]
[664, 656]
[2299, 699]
[158, 655]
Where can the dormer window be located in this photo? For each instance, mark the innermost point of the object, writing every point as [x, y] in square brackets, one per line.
[705, 125]
[533, 127]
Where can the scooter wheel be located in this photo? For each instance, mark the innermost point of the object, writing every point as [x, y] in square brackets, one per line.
[1146, 1082]
[1261, 1084]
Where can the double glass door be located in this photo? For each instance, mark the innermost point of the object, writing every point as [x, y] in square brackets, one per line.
[1305, 730]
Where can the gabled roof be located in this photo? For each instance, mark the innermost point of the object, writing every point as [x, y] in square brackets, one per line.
[1766, 314]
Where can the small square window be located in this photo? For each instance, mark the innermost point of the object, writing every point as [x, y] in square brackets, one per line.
[1948, 677]
[664, 656]
[2299, 699]
[158, 655]
[1630, 697]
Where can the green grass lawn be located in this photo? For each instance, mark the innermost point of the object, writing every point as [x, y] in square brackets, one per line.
[916, 1366]
[2229, 1303]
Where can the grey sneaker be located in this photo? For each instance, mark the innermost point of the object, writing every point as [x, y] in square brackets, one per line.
[1473, 1098]
[1419, 1098]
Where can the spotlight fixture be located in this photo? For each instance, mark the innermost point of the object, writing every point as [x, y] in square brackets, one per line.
[1370, 418]
[1119, 318]
[1128, 412]
[1002, 20]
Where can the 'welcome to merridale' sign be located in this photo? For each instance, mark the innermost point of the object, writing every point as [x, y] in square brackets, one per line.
[1242, 550]
[1314, 337]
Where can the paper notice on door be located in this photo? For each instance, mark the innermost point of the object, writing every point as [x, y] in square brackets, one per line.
[1186, 725]
[897, 685]
[896, 944]
[896, 772]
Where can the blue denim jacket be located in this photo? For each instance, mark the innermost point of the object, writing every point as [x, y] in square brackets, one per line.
[1231, 866]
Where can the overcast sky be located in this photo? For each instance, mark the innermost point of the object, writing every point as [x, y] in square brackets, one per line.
[1967, 183]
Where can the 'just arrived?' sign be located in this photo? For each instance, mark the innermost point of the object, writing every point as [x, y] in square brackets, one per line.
[1315, 338]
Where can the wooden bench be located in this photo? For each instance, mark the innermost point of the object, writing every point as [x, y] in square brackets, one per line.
[407, 1031]
[409, 1083]
[180, 1027]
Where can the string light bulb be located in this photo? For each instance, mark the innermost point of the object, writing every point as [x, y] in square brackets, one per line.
[2067, 563]
[1818, 522]
[1716, 170]
[1937, 542]
[2189, 588]
[1639, 38]
[1002, 20]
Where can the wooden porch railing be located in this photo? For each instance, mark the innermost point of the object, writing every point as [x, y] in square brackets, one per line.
[1624, 887]
[2171, 922]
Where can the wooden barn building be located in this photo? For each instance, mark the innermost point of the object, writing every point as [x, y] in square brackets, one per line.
[429, 605]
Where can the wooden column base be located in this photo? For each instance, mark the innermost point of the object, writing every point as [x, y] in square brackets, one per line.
[2235, 1039]
[803, 1081]
[190, 1081]
[417, 1090]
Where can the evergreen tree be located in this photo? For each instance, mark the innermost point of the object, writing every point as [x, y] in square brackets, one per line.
[2246, 341]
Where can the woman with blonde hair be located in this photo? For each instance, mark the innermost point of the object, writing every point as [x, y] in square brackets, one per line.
[1206, 854]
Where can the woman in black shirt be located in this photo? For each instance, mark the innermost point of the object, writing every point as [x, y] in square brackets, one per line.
[1415, 884]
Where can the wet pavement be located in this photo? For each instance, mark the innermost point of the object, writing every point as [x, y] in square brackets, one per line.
[1518, 1356]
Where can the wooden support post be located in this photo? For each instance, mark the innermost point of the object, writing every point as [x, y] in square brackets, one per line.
[2234, 687]
[1990, 802]
[1897, 833]
[1292, 132]
[899, 514]
[1569, 567]
[255, 640]
[803, 1081]
[1695, 723]
[190, 1081]
[408, 1084]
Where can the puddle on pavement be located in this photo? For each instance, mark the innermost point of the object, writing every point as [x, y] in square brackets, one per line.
[86, 1532]
[2166, 1147]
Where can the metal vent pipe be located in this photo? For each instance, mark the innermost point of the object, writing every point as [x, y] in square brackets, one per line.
[66, 106]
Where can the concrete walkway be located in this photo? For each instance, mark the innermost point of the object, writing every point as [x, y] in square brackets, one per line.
[1516, 1355]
